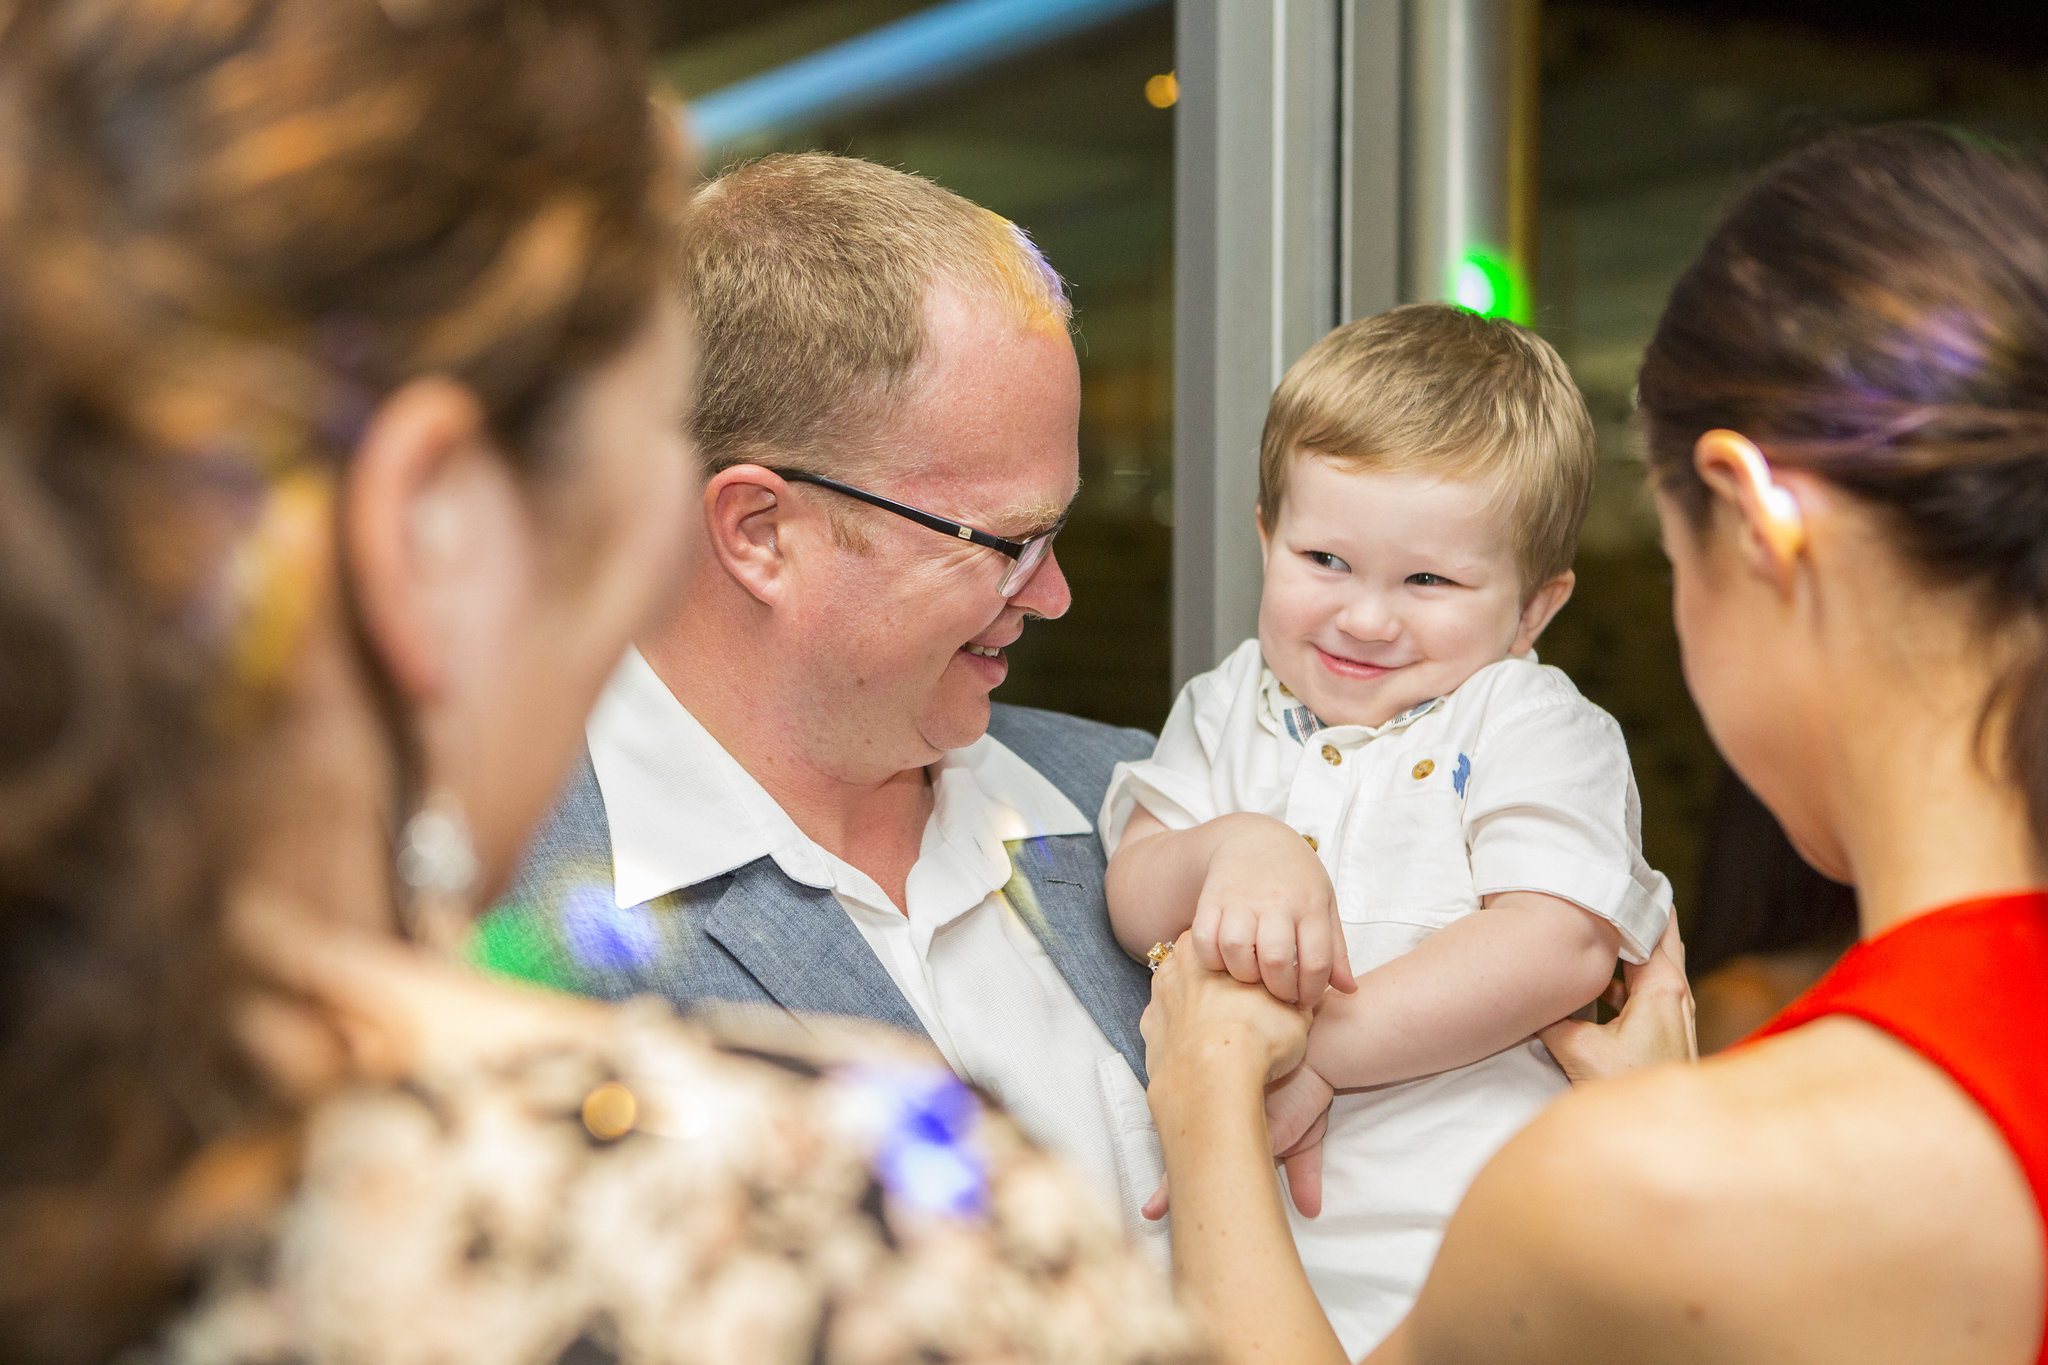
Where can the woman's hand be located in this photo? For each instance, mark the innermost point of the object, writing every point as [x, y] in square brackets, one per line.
[1213, 1044]
[1655, 1023]
[1205, 1029]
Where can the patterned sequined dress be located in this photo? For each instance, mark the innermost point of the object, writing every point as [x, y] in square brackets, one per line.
[639, 1188]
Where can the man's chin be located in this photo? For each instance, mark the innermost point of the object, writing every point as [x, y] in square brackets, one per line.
[957, 721]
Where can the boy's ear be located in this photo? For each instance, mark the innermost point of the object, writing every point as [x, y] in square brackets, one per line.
[1259, 524]
[1544, 603]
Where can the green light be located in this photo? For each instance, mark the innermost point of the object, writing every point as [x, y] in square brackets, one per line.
[1489, 285]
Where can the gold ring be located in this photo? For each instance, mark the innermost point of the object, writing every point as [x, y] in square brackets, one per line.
[1156, 958]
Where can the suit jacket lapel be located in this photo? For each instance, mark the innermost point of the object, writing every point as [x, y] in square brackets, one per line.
[1064, 876]
[798, 943]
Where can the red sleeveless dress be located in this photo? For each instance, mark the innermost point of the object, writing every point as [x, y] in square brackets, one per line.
[1966, 987]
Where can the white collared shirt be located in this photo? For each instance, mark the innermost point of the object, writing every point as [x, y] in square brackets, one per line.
[682, 811]
[1513, 782]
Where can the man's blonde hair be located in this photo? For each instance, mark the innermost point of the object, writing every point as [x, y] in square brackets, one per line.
[809, 275]
[1433, 388]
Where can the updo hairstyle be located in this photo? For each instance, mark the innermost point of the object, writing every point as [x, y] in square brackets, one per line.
[227, 229]
[1875, 310]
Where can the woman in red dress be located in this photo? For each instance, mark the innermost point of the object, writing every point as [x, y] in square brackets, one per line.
[1846, 406]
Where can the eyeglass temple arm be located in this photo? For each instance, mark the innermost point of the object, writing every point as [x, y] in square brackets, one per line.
[954, 529]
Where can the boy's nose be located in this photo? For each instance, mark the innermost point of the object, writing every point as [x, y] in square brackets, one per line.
[1369, 618]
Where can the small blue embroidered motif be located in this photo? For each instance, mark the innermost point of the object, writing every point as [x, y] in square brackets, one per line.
[1460, 773]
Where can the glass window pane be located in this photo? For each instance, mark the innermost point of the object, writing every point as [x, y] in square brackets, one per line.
[1651, 122]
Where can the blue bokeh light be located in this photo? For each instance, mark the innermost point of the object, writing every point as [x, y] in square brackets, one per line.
[924, 1152]
[605, 937]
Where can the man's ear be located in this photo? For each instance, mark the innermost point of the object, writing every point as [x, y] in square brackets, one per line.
[748, 516]
[428, 510]
[1543, 604]
[1770, 521]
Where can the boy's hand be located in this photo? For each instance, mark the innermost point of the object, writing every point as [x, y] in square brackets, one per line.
[1297, 1115]
[1267, 912]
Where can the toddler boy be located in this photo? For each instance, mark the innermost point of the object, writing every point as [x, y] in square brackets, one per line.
[1386, 794]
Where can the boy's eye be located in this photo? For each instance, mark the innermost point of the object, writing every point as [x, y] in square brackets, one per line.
[1323, 559]
[1430, 580]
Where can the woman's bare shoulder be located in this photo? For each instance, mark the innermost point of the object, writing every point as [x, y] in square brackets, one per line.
[1829, 1195]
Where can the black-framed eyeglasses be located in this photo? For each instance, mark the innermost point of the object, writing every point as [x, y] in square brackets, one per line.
[1026, 555]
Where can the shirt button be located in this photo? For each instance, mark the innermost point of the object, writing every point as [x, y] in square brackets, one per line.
[1331, 756]
[1311, 842]
[1424, 769]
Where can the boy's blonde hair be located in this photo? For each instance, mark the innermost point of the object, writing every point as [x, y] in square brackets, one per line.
[809, 275]
[1433, 388]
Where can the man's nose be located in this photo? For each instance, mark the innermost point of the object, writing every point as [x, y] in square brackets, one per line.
[1047, 594]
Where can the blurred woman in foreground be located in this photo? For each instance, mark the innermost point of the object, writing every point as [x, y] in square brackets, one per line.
[342, 398]
[1847, 411]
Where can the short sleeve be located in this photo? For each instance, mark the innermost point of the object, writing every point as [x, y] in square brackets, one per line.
[1174, 784]
[1551, 806]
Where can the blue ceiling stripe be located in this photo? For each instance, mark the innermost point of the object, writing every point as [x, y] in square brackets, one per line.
[908, 54]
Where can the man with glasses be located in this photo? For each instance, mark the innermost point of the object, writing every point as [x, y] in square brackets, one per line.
[798, 792]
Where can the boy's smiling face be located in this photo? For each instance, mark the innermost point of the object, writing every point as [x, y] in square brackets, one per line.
[1386, 589]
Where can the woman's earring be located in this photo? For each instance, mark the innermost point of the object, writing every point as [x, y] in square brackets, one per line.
[437, 863]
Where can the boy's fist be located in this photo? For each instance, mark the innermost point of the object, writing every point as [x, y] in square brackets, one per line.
[1297, 1115]
[1267, 913]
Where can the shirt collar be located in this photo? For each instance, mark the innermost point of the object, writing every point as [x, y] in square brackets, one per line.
[682, 810]
[1282, 713]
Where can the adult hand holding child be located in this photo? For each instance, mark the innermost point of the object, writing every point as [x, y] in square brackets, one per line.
[1653, 1020]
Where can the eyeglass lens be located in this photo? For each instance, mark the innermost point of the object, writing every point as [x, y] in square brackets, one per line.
[1025, 565]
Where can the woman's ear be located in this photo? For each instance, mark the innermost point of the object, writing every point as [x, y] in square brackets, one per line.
[1543, 604]
[747, 513]
[434, 532]
[1772, 525]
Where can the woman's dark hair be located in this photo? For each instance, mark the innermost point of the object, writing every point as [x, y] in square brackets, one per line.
[1875, 309]
[227, 228]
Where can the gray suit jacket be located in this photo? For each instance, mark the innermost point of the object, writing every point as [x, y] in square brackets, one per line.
[753, 936]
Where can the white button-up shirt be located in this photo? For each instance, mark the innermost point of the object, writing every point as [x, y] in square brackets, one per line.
[682, 811]
[1513, 782]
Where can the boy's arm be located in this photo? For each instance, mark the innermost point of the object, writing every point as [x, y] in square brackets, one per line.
[1467, 991]
[1155, 880]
